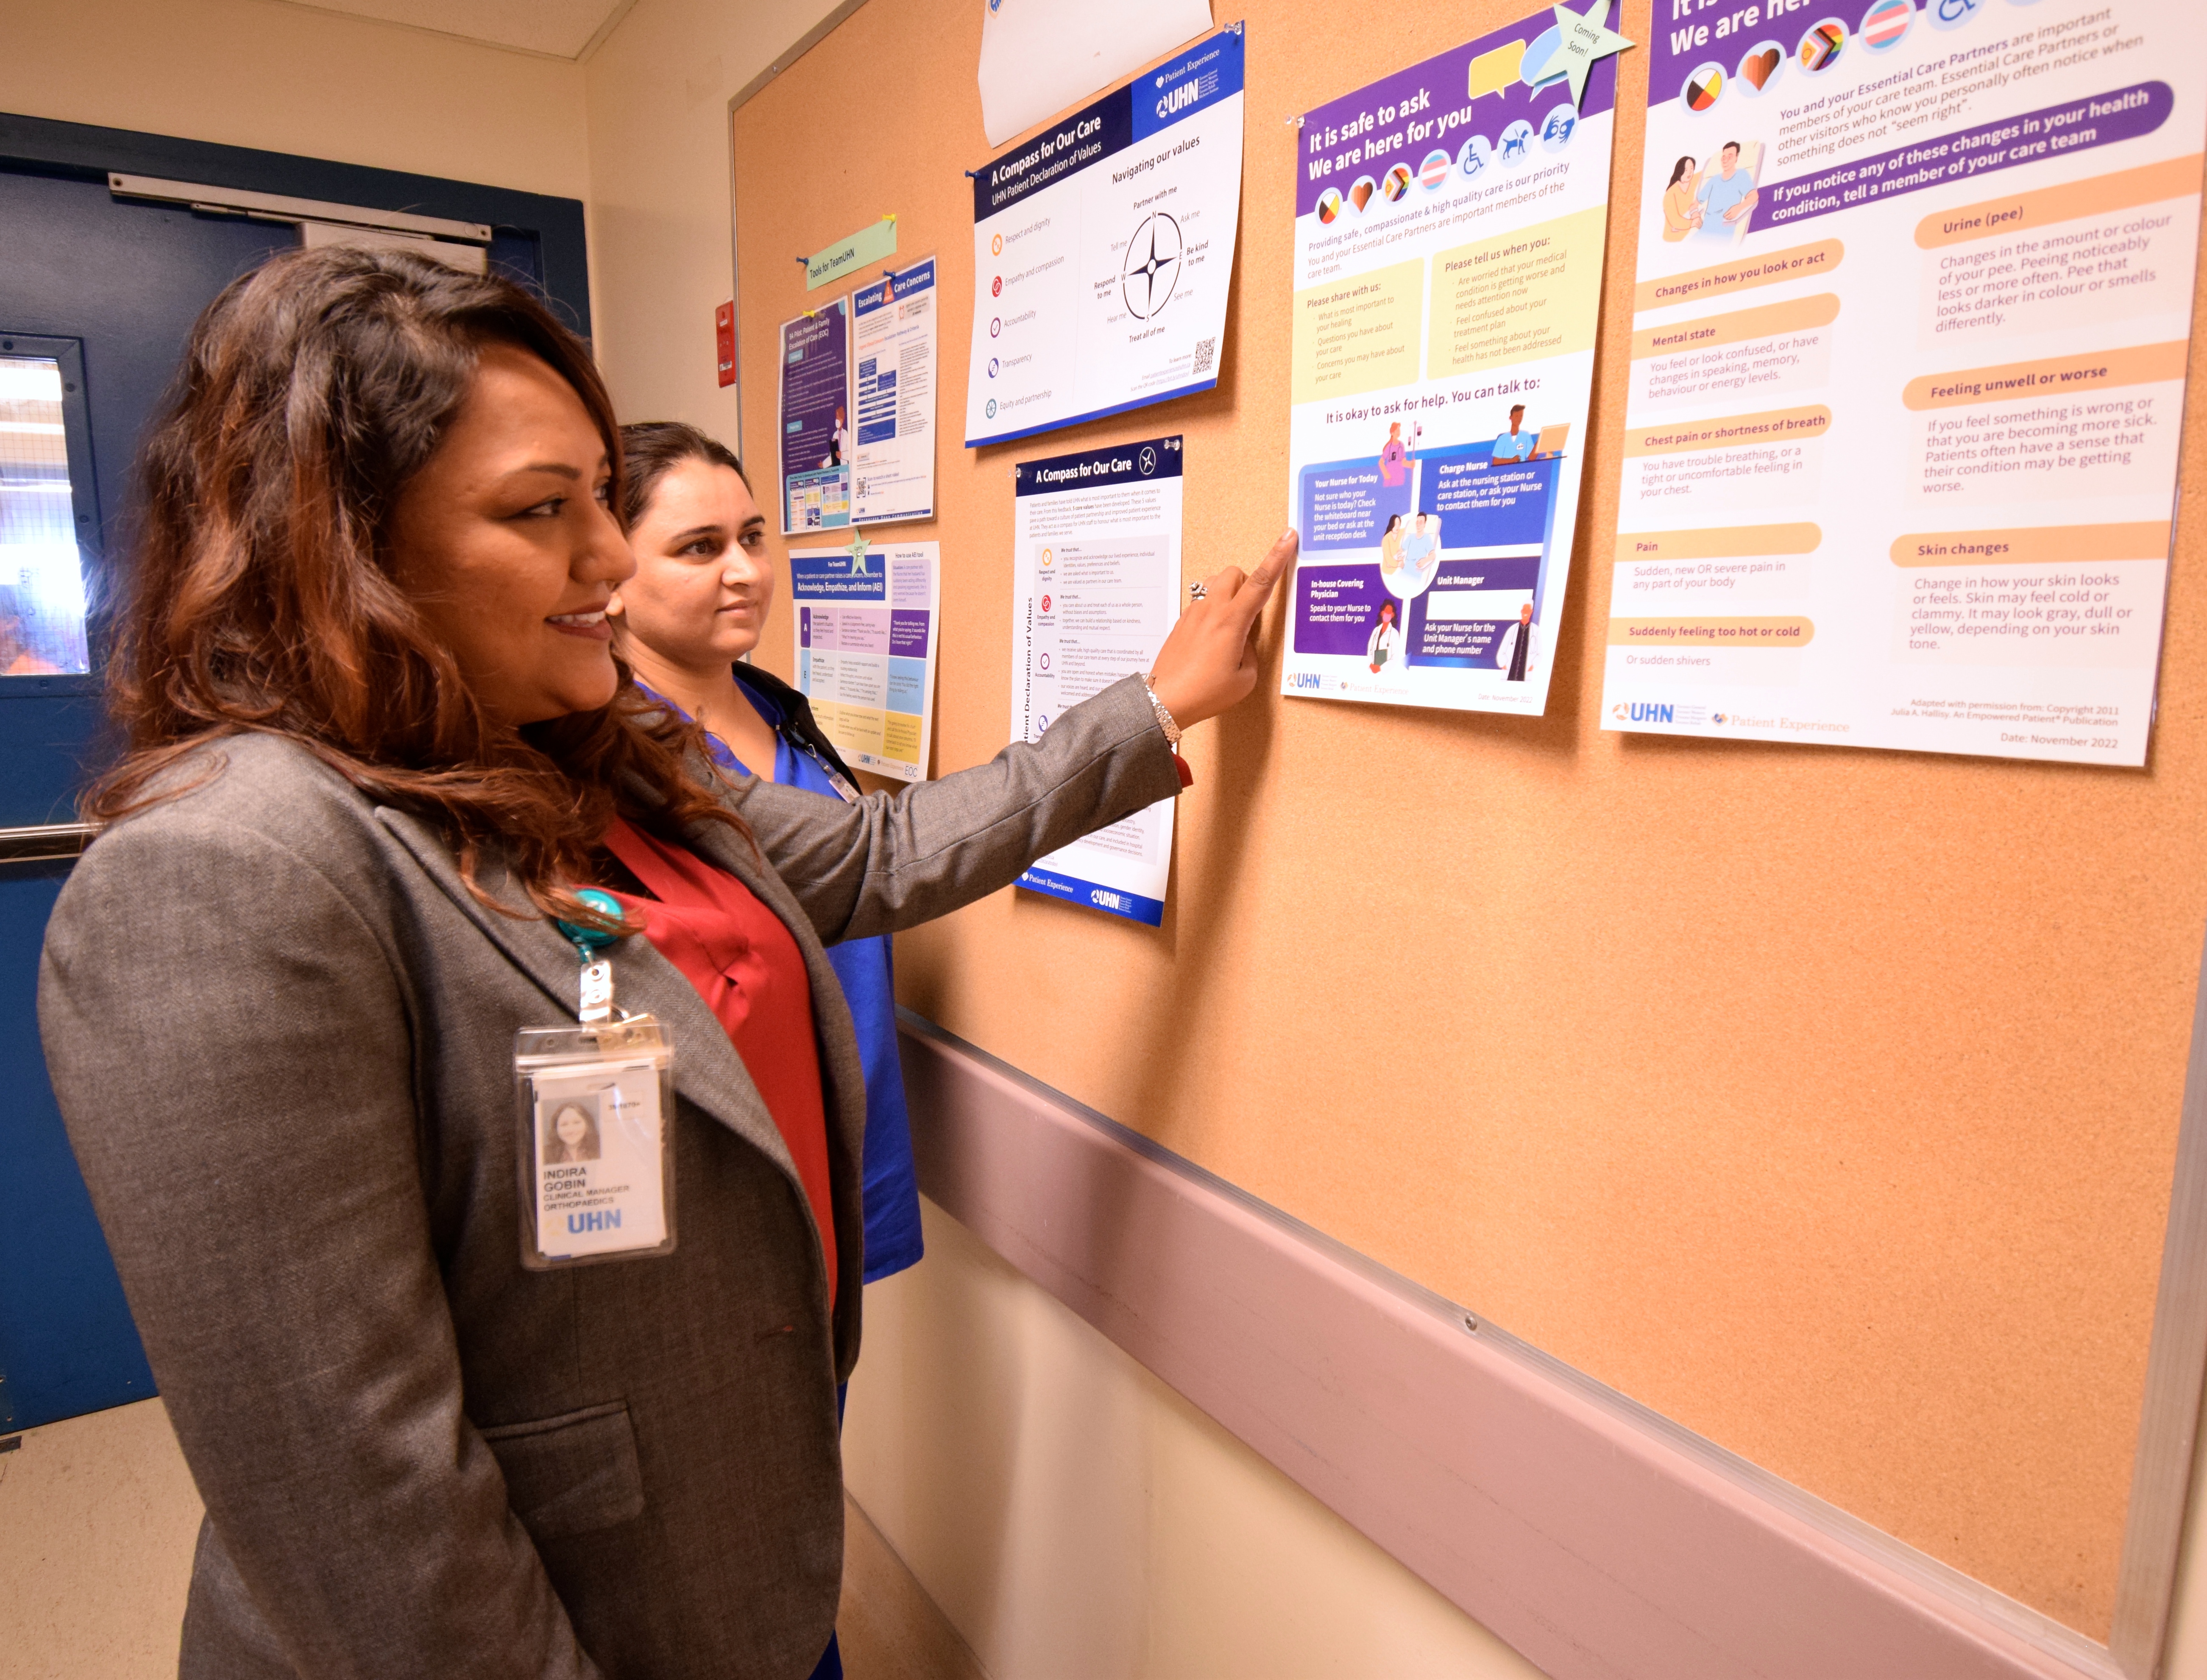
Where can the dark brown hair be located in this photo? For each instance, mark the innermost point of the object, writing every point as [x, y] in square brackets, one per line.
[261, 595]
[650, 447]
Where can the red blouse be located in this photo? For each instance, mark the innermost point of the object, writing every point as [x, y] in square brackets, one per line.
[746, 966]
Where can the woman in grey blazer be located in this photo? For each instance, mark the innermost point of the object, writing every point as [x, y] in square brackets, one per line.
[375, 739]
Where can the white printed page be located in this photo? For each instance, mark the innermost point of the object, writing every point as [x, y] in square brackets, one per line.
[867, 630]
[1038, 57]
[1097, 591]
[1913, 312]
[893, 329]
[1449, 228]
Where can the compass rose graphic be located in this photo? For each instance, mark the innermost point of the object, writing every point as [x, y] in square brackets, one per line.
[1152, 265]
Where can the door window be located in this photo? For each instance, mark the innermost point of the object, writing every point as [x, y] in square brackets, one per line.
[41, 567]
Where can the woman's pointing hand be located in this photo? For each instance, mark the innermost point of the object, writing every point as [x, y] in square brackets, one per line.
[1209, 662]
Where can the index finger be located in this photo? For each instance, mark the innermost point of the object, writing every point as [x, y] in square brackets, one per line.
[1249, 600]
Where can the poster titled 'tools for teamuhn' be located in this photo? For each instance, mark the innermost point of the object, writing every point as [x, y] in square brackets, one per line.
[1913, 308]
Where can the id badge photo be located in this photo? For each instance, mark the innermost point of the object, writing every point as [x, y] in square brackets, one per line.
[596, 1104]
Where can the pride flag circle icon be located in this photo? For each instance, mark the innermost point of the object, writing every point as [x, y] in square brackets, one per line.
[1821, 45]
[1435, 169]
[1884, 25]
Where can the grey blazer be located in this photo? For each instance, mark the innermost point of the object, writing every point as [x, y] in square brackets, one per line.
[282, 1034]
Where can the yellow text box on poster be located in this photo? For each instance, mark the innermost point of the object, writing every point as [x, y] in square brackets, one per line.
[1358, 334]
[2122, 189]
[856, 729]
[1491, 72]
[1799, 314]
[1517, 296]
[827, 715]
[1729, 430]
[900, 736]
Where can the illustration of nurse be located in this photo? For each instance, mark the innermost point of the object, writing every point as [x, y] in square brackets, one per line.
[1516, 444]
[1395, 455]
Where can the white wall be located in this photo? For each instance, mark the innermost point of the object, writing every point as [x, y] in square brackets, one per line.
[659, 91]
[1076, 1519]
[288, 79]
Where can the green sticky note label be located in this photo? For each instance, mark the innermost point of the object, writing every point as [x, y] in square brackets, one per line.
[869, 245]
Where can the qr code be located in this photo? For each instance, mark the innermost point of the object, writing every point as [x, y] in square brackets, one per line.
[1206, 352]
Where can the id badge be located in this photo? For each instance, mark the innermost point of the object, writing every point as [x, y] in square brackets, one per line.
[596, 1103]
[836, 779]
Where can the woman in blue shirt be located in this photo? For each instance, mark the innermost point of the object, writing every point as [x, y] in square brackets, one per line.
[705, 579]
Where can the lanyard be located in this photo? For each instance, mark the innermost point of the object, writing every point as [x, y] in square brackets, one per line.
[836, 779]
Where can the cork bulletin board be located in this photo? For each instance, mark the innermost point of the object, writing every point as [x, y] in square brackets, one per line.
[1824, 1100]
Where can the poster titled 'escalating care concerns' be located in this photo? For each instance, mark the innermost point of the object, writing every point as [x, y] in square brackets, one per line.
[1450, 222]
[1913, 307]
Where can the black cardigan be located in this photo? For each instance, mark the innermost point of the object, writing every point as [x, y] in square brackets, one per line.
[797, 723]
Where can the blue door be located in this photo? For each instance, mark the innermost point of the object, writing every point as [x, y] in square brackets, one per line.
[98, 294]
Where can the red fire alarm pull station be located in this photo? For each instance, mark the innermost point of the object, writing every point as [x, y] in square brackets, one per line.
[724, 331]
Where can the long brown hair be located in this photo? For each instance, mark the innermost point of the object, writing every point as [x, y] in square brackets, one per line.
[261, 596]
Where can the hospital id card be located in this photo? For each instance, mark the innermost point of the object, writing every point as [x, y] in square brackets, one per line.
[596, 1148]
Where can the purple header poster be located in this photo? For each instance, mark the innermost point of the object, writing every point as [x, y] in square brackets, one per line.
[816, 419]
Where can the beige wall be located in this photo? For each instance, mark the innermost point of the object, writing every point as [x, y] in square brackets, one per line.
[659, 91]
[1076, 1519]
[287, 79]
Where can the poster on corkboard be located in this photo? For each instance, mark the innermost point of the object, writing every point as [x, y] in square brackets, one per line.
[1104, 250]
[1450, 225]
[1913, 309]
[814, 412]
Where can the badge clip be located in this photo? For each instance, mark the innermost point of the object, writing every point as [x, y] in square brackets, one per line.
[595, 1002]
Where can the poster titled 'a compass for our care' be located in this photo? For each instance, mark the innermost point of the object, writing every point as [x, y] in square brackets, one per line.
[1102, 249]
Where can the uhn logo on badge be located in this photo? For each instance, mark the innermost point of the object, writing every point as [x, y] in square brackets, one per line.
[609, 1220]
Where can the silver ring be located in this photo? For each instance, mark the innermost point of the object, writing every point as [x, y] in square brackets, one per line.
[1195, 591]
